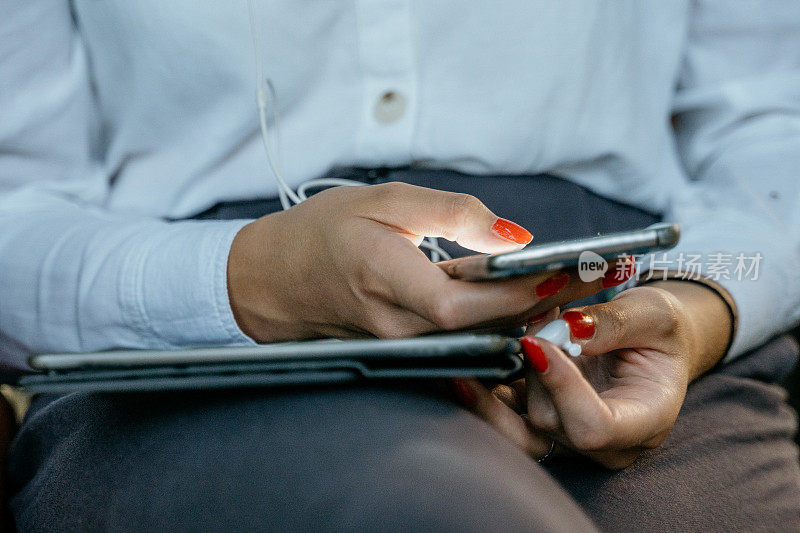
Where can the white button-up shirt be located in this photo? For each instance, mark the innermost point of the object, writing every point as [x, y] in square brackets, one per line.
[117, 115]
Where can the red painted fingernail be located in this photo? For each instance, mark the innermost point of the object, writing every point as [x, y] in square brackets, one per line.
[580, 324]
[538, 317]
[534, 353]
[621, 273]
[505, 229]
[552, 285]
[464, 393]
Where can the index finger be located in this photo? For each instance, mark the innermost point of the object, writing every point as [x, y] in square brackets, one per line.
[588, 421]
[454, 216]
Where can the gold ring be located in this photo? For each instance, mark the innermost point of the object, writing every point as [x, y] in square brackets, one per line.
[549, 452]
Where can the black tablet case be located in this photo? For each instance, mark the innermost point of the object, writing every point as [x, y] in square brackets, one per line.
[483, 356]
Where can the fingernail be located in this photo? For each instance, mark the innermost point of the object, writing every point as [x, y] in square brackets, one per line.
[538, 317]
[505, 229]
[580, 324]
[464, 393]
[552, 285]
[533, 353]
[621, 273]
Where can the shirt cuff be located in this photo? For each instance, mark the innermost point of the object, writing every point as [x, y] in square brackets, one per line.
[173, 287]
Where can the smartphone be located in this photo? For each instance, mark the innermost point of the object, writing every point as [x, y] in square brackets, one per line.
[557, 255]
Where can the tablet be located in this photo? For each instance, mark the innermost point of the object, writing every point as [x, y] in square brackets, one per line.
[290, 363]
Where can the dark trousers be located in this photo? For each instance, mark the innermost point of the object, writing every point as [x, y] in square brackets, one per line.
[404, 455]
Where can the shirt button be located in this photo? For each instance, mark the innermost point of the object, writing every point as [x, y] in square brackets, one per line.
[390, 107]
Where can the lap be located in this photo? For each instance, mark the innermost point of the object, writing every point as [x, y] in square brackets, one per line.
[394, 456]
[362, 458]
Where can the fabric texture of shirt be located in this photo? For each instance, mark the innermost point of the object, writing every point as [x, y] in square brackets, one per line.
[117, 116]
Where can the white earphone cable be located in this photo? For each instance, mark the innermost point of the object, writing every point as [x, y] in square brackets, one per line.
[265, 95]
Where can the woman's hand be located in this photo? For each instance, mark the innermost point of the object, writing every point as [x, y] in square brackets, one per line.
[622, 396]
[345, 262]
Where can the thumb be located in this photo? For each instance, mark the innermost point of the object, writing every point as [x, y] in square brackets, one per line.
[453, 216]
[641, 317]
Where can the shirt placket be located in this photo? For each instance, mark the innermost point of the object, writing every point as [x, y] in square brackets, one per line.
[389, 100]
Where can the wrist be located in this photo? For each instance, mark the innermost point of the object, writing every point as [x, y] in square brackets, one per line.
[240, 282]
[709, 323]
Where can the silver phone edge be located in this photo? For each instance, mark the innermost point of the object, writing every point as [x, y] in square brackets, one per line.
[661, 236]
